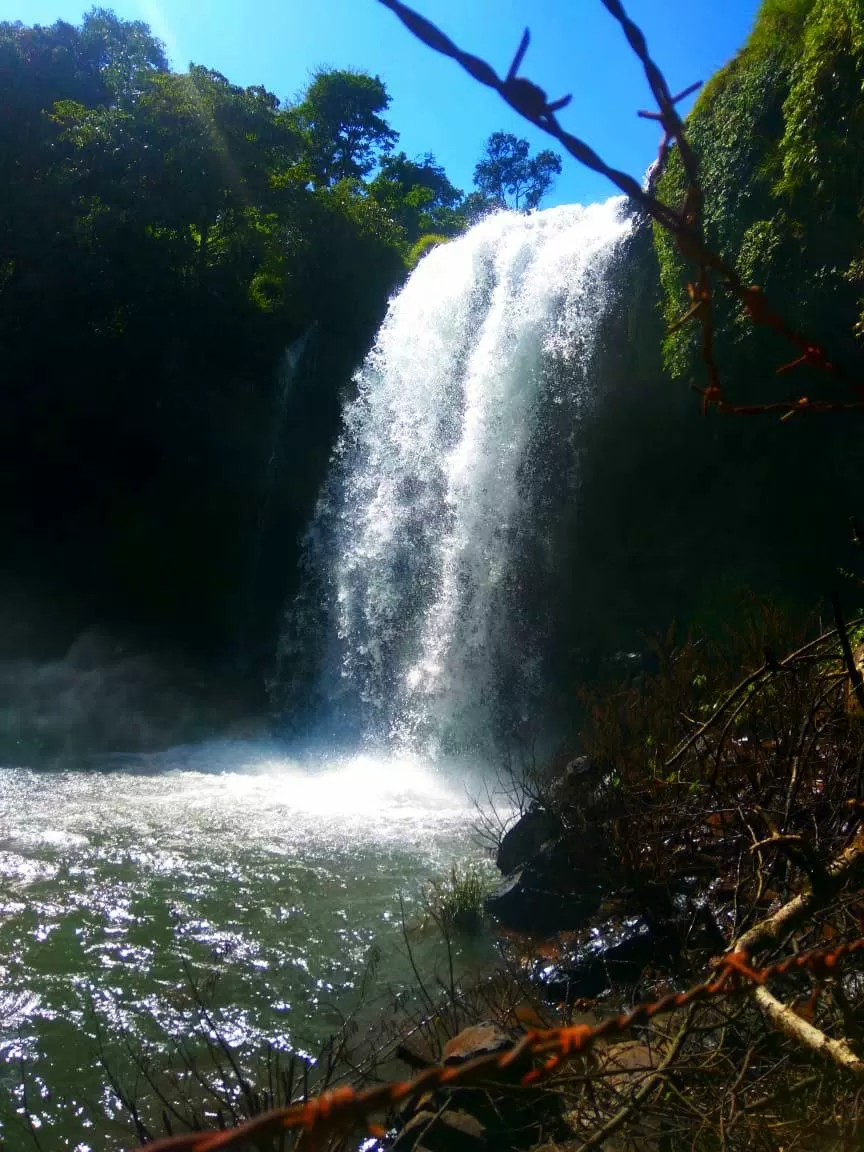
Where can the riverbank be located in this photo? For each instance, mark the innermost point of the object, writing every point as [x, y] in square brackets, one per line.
[709, 831]
[713, 809]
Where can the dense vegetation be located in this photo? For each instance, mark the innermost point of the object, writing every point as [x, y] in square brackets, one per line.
[778, 133]
[164, 238]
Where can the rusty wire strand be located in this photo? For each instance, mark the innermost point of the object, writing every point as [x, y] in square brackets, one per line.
[343, 1109]
[684, 224]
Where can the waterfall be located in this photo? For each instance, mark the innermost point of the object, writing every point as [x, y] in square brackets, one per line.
[425, 557]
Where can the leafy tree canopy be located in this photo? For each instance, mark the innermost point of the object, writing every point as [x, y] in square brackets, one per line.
[418, 196]
[125, 52]
[508, 176]
[341, 115]
[179, 230]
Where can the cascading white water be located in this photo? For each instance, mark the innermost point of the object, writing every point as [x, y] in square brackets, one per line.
[420, 540]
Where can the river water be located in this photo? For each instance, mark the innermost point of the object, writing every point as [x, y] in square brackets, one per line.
[287, 878]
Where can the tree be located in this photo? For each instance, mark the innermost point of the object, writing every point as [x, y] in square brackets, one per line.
[417, 195]
[167, 226]
[125, 52]
[509, 177]
[340, 116]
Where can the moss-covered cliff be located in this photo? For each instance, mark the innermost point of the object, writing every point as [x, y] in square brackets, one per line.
[676, 515]
[779, 136]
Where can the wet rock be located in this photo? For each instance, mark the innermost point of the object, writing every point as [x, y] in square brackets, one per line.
[618, 1062]
[487, 1113]
[614, 953]
[484, 1040]
[527, 836]
[521, 906]
[478, 1040]
[449, 1131]
[571, 783]
[555, 891]
[702, 930]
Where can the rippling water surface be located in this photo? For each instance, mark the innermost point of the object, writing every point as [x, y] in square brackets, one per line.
[280, 875]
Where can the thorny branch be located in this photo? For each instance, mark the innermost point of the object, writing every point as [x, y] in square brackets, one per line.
[746, 792]
[605, 1132]
[802, 1031]
[684, 223]
[848, 867]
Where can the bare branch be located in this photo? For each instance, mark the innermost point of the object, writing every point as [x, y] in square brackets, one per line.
[789, 1023]
[846, 868]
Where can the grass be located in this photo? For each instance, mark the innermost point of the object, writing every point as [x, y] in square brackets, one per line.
[456, 902]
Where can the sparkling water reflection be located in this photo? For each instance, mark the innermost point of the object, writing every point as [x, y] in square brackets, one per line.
[278, 874]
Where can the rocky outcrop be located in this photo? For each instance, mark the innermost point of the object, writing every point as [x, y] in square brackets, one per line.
[573, 887]
[525, 839]
[554, 891]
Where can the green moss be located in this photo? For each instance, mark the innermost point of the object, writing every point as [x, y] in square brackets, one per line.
[779, 24]
[777, 134]
[823, 142]
[423, 246]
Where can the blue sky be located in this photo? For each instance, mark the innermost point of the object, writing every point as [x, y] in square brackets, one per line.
[576, 47]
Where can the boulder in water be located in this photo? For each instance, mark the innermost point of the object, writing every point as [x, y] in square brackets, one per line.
[450, 1130]
[556, 891]
[525, 839]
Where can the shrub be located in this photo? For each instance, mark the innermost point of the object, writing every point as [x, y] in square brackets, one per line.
[456, 902]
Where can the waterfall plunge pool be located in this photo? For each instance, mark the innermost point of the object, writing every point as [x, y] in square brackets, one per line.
[282, 876]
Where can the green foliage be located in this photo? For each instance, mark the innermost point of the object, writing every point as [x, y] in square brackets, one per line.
[418, 197]
[778, 25]
[125, 52]
[175, 232]
[507, 176]
[456, 902]
[423, 246]
[821, 148]
[345, 131]
[778, 137]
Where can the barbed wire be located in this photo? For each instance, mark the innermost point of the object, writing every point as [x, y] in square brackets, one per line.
[685, 224]
[344, 1109]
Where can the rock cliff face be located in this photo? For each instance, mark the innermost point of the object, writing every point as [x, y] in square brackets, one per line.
[675, 515]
